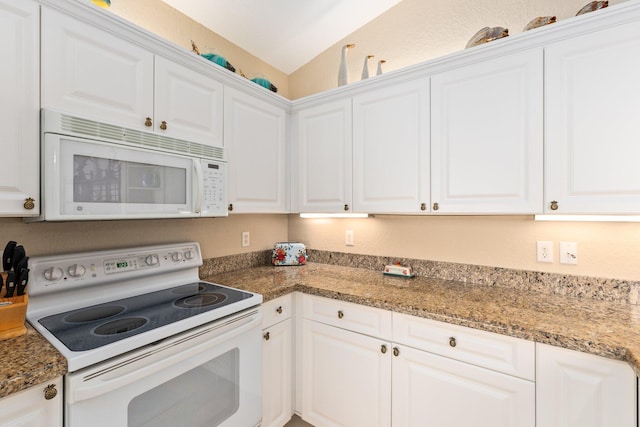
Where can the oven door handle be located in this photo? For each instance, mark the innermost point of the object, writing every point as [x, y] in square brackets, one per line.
[173, 357]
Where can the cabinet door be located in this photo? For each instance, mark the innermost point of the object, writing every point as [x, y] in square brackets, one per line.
[579, 389]
[324, 144]
[592, 99]
[254, 132]
[29, 408]
[391, 149]
[19, 108]
[346, 378]
[91, 73]
[486, 136]
[277, 392]
[189, 103]
[430, 390]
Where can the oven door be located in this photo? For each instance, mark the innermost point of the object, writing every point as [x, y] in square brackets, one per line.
[210, 376]
[87, 179]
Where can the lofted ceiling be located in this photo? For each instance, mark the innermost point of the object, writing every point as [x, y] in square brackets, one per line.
[286, 34]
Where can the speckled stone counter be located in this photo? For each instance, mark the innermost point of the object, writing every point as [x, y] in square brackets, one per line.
[28, 360]
[604, 328]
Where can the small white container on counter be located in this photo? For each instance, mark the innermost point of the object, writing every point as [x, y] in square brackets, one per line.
[289, 253]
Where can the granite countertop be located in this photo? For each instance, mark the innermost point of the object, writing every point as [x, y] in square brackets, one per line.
[604, 328]
[609, 329]
[28, 360]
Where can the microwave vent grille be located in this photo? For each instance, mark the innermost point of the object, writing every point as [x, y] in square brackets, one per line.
[90, 128]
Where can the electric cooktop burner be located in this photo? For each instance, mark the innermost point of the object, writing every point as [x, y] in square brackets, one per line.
[98, 325]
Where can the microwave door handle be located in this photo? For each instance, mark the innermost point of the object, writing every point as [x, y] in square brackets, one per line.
[198, 187]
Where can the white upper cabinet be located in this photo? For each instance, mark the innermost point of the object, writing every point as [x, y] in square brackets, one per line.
[254, 132]
[89, 72]
[592, 100]
[487, 136]
[324, 157]
[189, 103]
[391, 149]
[19, 109]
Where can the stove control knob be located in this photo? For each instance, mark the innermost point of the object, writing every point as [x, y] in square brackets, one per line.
[53, 274]
[177, 256]
[152, 260]
[188, 254]
[77, 270]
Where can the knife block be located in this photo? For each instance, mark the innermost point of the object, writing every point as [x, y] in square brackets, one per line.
[12, 316]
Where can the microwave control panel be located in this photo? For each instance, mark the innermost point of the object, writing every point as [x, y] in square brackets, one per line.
[213, 197]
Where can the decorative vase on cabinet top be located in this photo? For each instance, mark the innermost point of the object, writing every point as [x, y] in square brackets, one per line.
[343, 73]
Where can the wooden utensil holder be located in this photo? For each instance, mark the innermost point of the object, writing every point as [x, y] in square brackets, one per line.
[12, 317]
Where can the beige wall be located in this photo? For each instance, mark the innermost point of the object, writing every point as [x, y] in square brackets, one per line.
[417, 30]
[609, 250]
[163, 20]
[217, 236]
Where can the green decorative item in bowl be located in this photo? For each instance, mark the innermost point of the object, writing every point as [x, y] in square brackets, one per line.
[265, 83]
[216, 59]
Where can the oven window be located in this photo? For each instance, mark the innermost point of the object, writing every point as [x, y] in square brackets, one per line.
[101, 180]
[205, 396]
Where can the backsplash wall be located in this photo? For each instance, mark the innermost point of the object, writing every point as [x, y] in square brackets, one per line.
[595, 288]
[217, 236]
[605, 250]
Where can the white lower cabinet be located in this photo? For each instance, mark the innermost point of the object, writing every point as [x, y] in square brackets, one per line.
[578, 389]
[354, 374]
[37, 406]
[346, 378]
[448, 376]
[431, 390]
[363, 366]
[277, 362]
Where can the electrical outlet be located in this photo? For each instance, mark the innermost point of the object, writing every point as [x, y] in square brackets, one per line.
[348, 238]
[544, 251]
[569, 253]
[246, 239]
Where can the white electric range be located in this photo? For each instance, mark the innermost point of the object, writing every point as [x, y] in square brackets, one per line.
[146, 341]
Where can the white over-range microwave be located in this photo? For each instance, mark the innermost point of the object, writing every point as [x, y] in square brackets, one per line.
[97, 171]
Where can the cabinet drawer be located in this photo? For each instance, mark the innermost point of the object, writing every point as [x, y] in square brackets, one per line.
[509, 355]
[277, 310]
[354, 317]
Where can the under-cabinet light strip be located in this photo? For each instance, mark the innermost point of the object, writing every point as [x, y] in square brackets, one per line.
[593, 218]
[334, 215]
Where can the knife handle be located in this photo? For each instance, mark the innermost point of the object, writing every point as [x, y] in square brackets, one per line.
[17, 258]
[11, 284]
[7, 255]
[22, 281]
